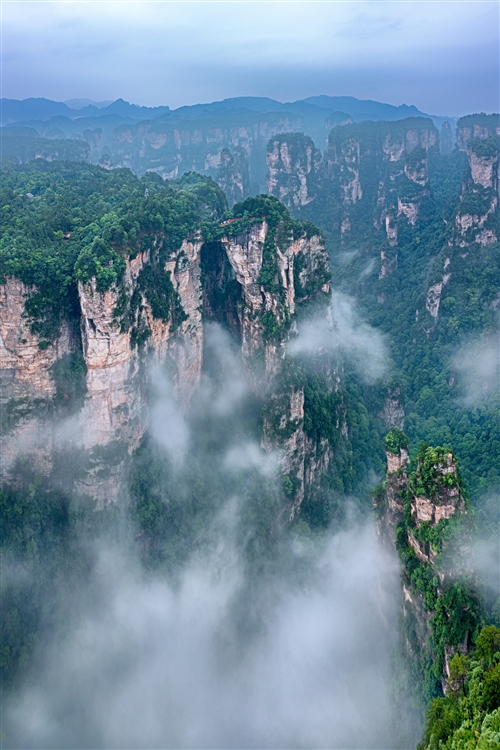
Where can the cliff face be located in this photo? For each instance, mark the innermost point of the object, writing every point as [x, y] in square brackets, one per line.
[259, 279]
[114, 414]
[293, 164]
[173, 149]
[253, 277]
[397, 155]
[424, 513]
[28, 385]
[375, 169]
[233, 174]
[476, 126]
[268, 306]
[114, 399]
[475, 222]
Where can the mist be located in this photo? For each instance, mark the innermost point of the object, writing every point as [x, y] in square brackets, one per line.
[478, 365]
[359, 344]
[212, 662]
[246, 634]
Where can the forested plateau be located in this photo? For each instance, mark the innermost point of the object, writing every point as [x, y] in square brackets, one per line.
[182, 364]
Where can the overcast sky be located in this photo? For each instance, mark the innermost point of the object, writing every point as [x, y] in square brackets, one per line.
[440, 56]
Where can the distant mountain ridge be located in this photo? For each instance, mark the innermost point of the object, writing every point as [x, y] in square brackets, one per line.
[225, 140]
[15, 110]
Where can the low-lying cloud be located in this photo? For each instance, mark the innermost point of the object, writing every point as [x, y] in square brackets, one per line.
[284, 642]
[358, 343]
[216, 662]
[478, 365]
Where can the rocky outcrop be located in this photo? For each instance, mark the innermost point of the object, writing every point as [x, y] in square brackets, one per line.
[480, 126]
[267, 309]
[293, 164]
[303, 459]
[233, 175]
[126, 327]
[414, 511]
[393, 413]
[398, 154]
[476, 219]
[171, 148]
[277, 272]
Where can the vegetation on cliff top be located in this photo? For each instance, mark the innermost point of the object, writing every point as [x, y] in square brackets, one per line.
[64, 223]
[481, 119]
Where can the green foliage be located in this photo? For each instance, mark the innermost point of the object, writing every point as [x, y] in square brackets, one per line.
[395, 440]
[435, 473]
[468, 717]
[487, 148]
[21, 145]
[101, 262]
[481, 119]
[159, 291]
[422, 348]
[476, 202]
[82, 222]
[488, 644]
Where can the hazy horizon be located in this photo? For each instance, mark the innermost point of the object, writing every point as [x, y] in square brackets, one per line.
[442, 58]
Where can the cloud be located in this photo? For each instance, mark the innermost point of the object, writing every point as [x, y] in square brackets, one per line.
[224, 384]
[217, 660]
[168, 424]
[389, 51]
[360, 344]
[250, 637]
[249, 455]
[478, 365]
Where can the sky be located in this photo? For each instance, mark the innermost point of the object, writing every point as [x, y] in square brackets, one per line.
[442, 57]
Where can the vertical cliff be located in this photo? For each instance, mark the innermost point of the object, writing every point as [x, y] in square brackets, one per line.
[423, 510]
[474, 225]
[384, 168]
[121, 330]
[260, 279]
[294, 164]
[233, 174]
[174, 148]
[27, 379]
[372, 176]
[154, 313]
[140, 280]
[112, 297]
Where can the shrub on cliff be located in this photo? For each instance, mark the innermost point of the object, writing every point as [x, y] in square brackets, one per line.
[469, 718]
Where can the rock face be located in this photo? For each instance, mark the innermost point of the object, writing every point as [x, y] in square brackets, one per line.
[476, 126]
[475, 222]
[26, 378]
[121, 332]
[114, 400]
[414, 511]
[398, 153]
[276, 273]
[233, 174]
[381, 166]
[114, 412]
[171, 149]
[265, 313]
[293, 163]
